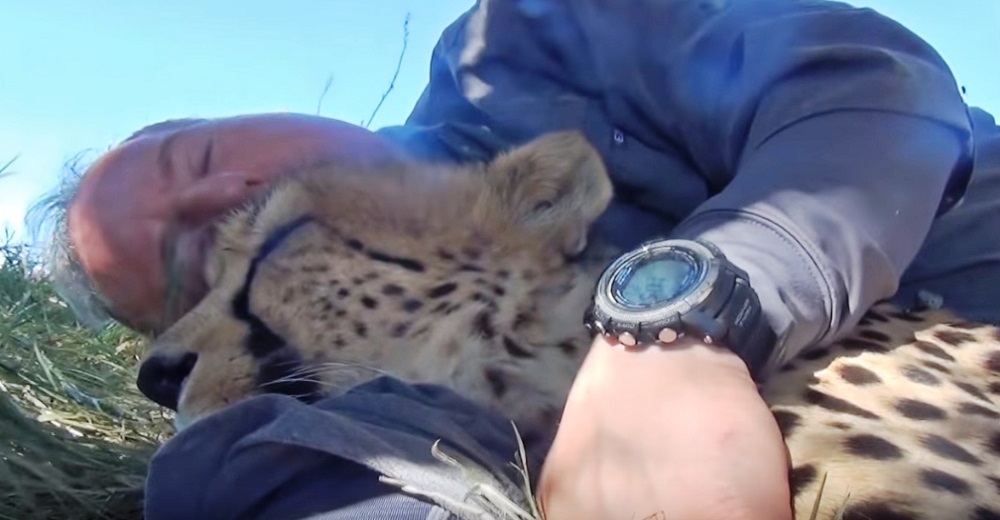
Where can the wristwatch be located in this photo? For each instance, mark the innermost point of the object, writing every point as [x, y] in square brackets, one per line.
[667, 289]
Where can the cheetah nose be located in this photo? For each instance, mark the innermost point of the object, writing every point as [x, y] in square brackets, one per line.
[161, 377]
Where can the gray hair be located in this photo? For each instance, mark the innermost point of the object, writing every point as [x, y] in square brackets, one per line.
[47, 220]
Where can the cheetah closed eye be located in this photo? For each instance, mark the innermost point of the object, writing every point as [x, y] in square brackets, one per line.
[477, 277]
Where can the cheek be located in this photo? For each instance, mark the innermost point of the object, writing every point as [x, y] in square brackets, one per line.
[126, 274]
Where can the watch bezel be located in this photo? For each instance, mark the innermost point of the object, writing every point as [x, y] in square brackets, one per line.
[707, 262]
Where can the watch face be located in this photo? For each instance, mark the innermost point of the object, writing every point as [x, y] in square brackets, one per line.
[656, 280]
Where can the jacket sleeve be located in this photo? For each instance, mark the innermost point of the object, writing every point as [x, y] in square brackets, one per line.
[829, 136]
[833, 136]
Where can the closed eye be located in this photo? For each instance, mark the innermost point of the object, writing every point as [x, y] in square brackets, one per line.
[206, 159]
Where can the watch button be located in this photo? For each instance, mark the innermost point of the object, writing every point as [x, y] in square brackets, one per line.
[667, 335]
[626, 338]
[709, 329]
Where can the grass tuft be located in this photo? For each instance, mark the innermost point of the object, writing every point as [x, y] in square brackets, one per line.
[75, 434]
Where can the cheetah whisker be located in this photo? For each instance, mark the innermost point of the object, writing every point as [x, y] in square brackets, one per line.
[332, 367]
[309, 374]
[284, 380]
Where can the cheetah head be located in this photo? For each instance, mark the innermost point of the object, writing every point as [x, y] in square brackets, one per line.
[474, 276]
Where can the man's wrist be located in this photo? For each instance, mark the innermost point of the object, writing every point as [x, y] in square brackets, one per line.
[685, 359]
[675, 425]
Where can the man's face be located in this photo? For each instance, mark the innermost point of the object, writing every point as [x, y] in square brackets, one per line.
[142, 218]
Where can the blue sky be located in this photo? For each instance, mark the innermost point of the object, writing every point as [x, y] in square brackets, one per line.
[80, 76]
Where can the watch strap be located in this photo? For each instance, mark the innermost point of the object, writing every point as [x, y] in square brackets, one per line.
[732, 316]
[749, 333]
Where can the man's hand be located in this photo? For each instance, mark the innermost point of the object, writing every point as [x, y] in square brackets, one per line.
[676, 433]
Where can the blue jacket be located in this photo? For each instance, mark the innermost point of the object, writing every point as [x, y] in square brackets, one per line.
[812, 141]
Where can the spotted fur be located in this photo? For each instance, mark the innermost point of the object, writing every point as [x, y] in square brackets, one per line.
[902, 418]
[476, 277]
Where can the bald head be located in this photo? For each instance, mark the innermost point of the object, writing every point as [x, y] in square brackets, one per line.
[143, 215]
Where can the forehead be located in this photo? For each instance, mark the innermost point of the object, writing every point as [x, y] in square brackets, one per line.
[121, 187]
[131, 164]
[112, 226]
[273, 143]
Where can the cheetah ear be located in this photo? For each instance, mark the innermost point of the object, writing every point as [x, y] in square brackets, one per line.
[554, 187]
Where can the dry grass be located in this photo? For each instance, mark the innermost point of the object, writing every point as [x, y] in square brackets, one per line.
[75, 434]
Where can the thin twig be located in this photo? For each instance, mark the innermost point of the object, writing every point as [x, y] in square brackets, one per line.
[326, 88]
[3, 168]
[399, 65]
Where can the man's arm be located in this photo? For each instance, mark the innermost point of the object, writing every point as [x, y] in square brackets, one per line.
[836, 129]
[826, 215]
[827, 134]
